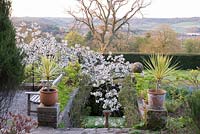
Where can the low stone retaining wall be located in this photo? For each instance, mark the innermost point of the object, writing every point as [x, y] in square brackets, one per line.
[65, 115]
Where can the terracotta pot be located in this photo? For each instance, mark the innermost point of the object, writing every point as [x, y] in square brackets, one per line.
[156, 98]
[48, 97]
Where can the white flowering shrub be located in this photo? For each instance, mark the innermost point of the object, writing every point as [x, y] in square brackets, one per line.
[107, 96]
[102, 71]
[26, 33]
[43, 44]
[39, 44]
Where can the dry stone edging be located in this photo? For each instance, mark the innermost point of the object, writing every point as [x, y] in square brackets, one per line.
[65, 115]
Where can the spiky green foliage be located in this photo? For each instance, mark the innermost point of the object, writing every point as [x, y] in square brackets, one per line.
[160, 67]
[48, 68]
[11, 67]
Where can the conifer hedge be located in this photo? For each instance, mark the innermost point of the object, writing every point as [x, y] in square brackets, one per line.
[186, 61]
[11, 67]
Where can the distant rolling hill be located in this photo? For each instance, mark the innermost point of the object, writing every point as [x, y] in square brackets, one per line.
[138, 26]
[180, 25]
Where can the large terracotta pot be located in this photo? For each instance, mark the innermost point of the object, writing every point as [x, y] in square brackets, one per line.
[48, 97]
[156, 98]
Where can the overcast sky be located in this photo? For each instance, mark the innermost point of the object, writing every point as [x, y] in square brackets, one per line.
[57, 8]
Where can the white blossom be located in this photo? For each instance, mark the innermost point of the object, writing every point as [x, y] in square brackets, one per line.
[102, 71]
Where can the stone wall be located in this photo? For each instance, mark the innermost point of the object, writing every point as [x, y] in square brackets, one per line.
[48, 115]
[65, 116]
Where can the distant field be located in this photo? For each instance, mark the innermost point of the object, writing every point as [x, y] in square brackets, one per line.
[180, 25]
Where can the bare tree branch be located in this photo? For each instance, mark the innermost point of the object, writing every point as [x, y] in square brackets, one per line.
[103, 17]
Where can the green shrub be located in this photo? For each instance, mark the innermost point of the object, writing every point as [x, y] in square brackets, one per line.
[182, 125]
[192, 45]
[194, 105]
[61, 125]
[28, 73]
[142, 84]
[193, 78]
[78, 110]
[175, 97]
[69, 82]
[74, 38]
[176, 93]
[172, 105]
[128, 100]
[72, 72]
[64, 92]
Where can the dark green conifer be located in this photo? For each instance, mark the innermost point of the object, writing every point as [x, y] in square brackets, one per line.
[11, 67]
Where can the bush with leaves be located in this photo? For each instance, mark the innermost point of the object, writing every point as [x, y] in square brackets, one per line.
[16, 124]
[194, 106]
[175, 98]
[172, 105]
[28, 73]
[69, 82]
[72, 72]
[143, 83]
[181, 125]
[128, 100]
[73, 38]
[78, 109]
[193, 78]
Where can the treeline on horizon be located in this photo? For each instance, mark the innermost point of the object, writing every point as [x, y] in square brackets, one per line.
[162, 39]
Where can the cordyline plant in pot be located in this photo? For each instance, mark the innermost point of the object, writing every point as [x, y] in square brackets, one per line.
[160, 67]
[48, 68]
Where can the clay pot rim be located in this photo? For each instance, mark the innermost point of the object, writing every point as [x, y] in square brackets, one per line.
[157, 92]
[51, 90]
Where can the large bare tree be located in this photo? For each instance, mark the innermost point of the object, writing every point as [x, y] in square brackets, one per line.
[105, 18]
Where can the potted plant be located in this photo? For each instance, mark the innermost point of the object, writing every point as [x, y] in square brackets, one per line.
[160, 67]
[48, 68]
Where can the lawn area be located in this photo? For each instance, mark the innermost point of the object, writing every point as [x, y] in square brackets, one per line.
[64, 92]
[181, 78]
[98, 122]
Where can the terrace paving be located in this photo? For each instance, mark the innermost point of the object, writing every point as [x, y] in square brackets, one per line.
[46, 130]
[19, 105]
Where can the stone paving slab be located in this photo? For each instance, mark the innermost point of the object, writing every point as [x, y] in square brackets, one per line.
[17, 107]
[47, 130]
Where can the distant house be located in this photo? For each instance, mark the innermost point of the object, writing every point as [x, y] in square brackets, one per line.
[193, 34]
